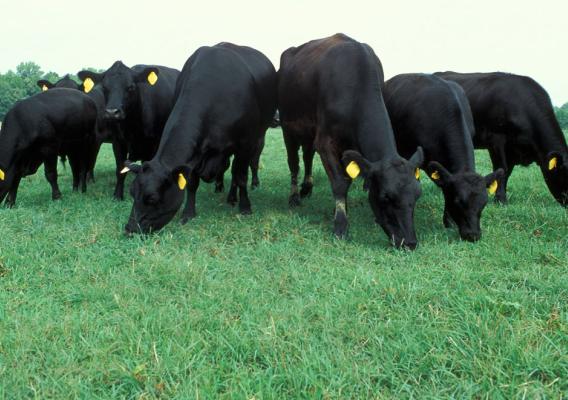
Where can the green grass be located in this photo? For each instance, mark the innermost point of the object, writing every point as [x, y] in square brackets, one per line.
[271, 306]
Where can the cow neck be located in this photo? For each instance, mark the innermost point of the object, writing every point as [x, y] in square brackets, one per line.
[549, 137]
[375, 136]
[459, 157]
[8, 144]
[181, 138]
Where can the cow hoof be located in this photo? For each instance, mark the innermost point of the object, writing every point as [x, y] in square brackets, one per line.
[246, 211]
[306, 190]
[254, 184]
[294, 200]
[75, 188]
[185, 218]
[501, 200]
[56, 196]
[340, 234]
[118, 197]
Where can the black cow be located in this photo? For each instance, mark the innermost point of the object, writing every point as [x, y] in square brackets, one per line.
[225, 100]
[37, 129]
[515, 121]
[432, 113]
[138, 101]
[65, 82]
[330, 100]
[104, 131]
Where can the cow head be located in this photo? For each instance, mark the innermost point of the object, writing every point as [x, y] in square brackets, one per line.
[158, 194]
[393, 190]
[555, 171]
[121, 87]
[465, 195]
[65, 82]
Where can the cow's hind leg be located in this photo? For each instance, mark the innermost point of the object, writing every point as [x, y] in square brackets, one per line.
[189, 210]
[255, 182]
[292, 148]
[308, 153]
[75, 169]
[239, 172]
[50, 166]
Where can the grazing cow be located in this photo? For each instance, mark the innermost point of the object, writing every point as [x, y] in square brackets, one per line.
[104, 132]
[225, 100]
[515, 121]
[432, 113]
[330, 100]
[138, 101]
[37, 129]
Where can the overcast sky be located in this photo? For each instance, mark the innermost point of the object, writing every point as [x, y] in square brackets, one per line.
[524, 37]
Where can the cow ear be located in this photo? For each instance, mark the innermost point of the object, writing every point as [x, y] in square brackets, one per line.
[89, 79]
[149, 74]
[491, 180]
[553, 160]
[355, 164]
[417, 158]
[438, 173]
[44, 85]
[180, 176]
[130, 167]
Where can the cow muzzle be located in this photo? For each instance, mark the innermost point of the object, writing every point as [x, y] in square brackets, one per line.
[114, 114]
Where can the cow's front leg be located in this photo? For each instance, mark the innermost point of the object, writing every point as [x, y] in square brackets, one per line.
[499, 160]
[339, 186]
[11, 198]
[189, 210]
[119, 150]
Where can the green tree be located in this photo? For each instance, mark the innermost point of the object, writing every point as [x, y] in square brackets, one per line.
[562, 116]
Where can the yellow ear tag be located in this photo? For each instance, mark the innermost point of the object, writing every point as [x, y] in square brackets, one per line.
[2, 176]
[493, 187]
[44, 88]
[181, 182]
[417, 174]
[88, 85]
[152, 78]
[552, 163]
[435, 175]
[353, 170]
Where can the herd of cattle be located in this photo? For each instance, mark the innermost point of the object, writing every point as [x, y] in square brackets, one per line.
[331, 98]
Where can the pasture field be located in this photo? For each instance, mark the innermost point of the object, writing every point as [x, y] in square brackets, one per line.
[271, 306]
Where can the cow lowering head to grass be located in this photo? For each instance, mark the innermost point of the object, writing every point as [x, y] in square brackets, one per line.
[393, 192]
[515, 122]
[225, 101]
[330, 101]
[432, 113]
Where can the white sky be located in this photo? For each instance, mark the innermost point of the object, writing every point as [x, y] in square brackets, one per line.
[521, 36]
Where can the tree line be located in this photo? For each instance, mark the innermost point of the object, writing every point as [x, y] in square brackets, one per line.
[16, 85]
[21, 83]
